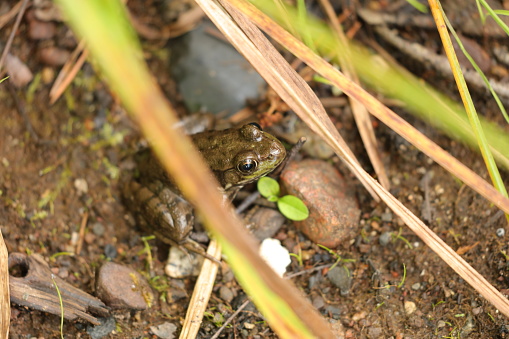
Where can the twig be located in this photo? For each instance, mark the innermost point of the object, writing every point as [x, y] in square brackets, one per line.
[13, 32]
[68, 72]
[81, 237]
[201, 293]
[5, 303]
[360, 113]
[317, 268]
[439, 62]
[5, 18]
[230, 319]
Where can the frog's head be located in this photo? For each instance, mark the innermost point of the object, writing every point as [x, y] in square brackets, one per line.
[250, 153]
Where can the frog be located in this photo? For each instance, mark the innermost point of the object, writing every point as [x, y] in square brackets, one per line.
[236, 156]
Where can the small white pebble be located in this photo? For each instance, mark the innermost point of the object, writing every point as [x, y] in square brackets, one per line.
[500, 232]
[410, 307]
[249, 326]
[81, 186]
[275, 255]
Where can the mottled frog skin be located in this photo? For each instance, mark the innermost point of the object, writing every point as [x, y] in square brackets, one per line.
[236, 156]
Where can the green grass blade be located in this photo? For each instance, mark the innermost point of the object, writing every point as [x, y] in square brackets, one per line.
[440, 16]
[113, 43]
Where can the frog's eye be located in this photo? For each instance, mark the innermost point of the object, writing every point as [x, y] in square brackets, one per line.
[247, 165]
[256, 125]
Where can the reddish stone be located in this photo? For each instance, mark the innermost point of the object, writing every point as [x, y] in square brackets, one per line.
[121, 287]
[333, 212]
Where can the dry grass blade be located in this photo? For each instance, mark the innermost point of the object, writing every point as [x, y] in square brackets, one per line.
[317, 119]
[5, 302]
[118, 55]
[5, 18]
[361, 115]
[13, 33]
[201, 293]
[68, 71]
[375, 107]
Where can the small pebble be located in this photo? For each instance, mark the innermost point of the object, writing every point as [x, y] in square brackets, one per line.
[18, 71]
[334, 311]
[81, 186]
[410, 307]
[266, 222]
[164, 331]
[98, 229]
[342, 278]
[385, 238]
[226, 294]
[275, 255]
[500, 232]
[249, 326]
[416, 286]
[53, 56]
[110, 251]
[121, 287]
[181, 264]
[387, 217]
[107, 326]
[318, 302]
[40, 30]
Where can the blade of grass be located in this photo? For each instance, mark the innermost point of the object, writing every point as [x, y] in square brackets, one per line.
[395, 82]
[377, 109]
[439, 16]
[111, 40]
[362, 118]
[318, 121]
[494, 14]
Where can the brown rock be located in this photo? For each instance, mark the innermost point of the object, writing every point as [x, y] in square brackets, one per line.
[121, 287]
[53, 56]
[333, 212]
[39, 30]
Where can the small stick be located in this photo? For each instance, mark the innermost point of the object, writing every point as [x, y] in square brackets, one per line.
[5, 302]
[13, 32]
[230, 319]
[81, 237]
[201, 293]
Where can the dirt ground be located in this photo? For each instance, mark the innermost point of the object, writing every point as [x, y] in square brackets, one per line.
[60, 165]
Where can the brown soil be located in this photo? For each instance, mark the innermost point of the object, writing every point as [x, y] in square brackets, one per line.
[86, 136]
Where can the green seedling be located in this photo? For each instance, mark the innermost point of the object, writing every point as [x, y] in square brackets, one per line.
[403, 278]
[339, 258]
[148, 251]
[61, 307]
[402, 238]
[298, 256]
[290, 206]
[58, 254]
[418, 6]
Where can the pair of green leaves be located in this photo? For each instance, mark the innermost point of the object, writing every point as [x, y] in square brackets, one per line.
[290, 206]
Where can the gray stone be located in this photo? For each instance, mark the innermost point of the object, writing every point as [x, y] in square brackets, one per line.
[211, 74]
[107, 326]
[164, 331]
[385, 238]
[342, 278]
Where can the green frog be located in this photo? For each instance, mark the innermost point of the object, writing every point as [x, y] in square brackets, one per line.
[236, 156]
